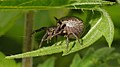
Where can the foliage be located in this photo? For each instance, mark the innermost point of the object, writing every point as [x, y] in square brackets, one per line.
[48, 63]
[99, 58]
[91, 12]
[7, 62]
[101, 25]
[10, 18]
[47, 4]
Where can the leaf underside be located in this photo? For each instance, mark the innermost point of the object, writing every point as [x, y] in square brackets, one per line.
[48, 4]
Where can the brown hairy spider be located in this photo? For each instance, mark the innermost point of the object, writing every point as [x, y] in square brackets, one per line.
[69, 27]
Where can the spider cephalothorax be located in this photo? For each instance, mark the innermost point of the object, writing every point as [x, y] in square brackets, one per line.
[69, 27]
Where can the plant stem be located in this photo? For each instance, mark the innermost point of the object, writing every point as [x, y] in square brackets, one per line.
[27, 45]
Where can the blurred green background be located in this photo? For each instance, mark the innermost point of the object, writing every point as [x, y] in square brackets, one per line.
[12, 30]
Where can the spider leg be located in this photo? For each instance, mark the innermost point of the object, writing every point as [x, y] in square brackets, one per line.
[76, 37]
[43, 38]
[55, 34]
[43, 28]
[56, 38]
[67, 41]
[57, 29]
[81, 41]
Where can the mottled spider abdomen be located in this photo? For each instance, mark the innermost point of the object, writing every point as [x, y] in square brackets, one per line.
[73, 26]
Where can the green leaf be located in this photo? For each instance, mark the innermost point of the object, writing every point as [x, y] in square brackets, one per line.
[76, 61]
[41, 52]
[7, 62]
[113, 56]
[47, 4]
[99, 58]
[48, 63]
[93, 59]
[89, 52]
[107, 24]
[7, 20]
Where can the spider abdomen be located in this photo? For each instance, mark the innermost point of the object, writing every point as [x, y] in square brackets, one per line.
[73, 26]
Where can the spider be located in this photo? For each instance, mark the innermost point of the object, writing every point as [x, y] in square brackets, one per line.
[69, 27]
